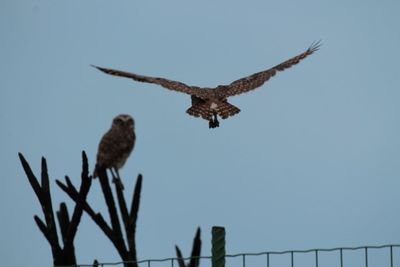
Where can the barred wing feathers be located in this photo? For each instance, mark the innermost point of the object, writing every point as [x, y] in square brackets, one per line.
[223, 91]
[169, 84]
[257, 79]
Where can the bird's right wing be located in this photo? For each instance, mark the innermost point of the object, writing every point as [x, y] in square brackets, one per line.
[169, 84]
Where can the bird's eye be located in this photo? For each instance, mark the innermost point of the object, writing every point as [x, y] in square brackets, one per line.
[118, 121]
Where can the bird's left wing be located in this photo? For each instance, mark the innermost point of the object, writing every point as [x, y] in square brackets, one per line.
[257, 79]
[169, 84]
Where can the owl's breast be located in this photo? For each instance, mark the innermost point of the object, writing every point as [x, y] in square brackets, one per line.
[121, 161]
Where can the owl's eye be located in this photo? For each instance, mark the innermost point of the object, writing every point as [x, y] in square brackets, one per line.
[118, 121]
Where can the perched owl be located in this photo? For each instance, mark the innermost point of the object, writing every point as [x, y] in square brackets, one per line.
[209, 103]
[116, 145]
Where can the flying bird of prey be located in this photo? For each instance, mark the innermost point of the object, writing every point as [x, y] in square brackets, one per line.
[116, 145]
[209, 103]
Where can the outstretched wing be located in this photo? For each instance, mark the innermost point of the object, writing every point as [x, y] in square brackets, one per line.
[257, 79]
[169, 84]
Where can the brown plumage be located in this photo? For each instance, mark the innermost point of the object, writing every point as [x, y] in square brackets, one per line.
[208, 103]
[116, 145]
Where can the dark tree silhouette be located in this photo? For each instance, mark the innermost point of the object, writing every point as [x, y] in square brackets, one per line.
[65, 256]
[127, 251]
[62, 256]
[196, 252]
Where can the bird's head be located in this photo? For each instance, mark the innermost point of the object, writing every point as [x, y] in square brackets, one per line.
[124, 120]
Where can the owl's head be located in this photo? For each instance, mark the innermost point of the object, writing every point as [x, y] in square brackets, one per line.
[124, 120]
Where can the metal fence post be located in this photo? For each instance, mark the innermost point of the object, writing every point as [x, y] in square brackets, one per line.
[218, 246]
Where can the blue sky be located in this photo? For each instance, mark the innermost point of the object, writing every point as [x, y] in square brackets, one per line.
[311, 161]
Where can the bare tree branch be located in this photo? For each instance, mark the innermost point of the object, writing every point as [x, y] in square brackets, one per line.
[97, 218]
[78, 210]
[113, 231]
[116, 226]
[196, 250]
[181, 262]
[123, 209]
[43, 228]
[66, 255]
[69, 225]
[63, 220]
[195, 255]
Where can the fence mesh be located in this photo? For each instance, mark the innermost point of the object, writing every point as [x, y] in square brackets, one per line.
[363, 256]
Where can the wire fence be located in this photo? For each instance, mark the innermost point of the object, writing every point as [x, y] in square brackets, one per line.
[363, 256]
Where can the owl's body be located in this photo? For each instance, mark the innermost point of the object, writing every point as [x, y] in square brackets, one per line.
[209, 103]
[116, 144]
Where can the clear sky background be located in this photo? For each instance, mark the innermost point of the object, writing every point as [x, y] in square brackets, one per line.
[311, 161]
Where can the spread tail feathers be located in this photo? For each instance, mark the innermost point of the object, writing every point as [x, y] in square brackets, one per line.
[223, 109]
[200, 110]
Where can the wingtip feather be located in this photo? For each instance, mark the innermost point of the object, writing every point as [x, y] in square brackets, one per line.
[315, 46]
[99, 68]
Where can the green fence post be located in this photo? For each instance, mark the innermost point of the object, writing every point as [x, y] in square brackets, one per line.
[218, 246]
